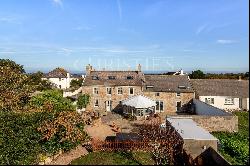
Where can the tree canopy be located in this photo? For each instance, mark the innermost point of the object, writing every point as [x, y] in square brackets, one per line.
[197, 74]
[14, 88]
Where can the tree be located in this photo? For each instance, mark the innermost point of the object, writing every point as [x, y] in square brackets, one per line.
[83, 101]
[76, 83]
[197, 74]
[14, 87]
[35, 79]
[52, 100]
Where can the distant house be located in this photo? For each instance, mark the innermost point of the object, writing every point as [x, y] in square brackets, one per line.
[225, 94]
[60, 78]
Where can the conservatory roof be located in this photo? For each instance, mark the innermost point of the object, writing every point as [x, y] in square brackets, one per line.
[139, 101]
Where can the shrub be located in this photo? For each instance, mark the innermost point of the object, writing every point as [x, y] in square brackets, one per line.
[83, 101]
[52, 100]
[19, 138]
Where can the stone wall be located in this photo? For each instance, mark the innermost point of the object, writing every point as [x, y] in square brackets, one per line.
[196, 147]
[102, 97]
[169, 99]
[216, 123]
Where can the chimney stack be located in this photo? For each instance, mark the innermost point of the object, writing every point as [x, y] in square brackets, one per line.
[139, 67]
[88, 69]
[181, 72]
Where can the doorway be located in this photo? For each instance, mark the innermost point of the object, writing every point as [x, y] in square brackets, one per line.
[108, 105]
[178, 106]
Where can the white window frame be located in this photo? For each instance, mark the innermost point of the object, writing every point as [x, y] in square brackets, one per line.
[120, 90]
[107, 90]
[97, 90]
[129, 90]
[209, 100]
[229, 101]
[178, 94]
[159, 110]
[95, 103]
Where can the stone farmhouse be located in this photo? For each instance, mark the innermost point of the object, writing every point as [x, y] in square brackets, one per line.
[223, 93]
[60, 78]
[107, 89]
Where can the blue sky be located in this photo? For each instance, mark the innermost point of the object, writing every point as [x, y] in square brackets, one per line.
[165, 35]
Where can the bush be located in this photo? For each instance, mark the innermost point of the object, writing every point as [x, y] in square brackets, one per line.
[52, 100]
[83, 101]
[235, 146]
[53, 124]
[19, 138]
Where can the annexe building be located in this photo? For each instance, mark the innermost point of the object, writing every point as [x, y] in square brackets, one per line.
[225, 94]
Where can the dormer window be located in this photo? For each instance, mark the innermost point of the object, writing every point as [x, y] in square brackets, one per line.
[149, 86]
[111, 77]
[182, 87]
[130, 77]
[95, 78]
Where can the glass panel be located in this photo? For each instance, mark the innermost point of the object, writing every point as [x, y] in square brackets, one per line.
[157, 106]
[161, 106]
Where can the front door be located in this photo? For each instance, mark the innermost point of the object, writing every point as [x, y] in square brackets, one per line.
[240, 103]
[108, 105]
[178, 106]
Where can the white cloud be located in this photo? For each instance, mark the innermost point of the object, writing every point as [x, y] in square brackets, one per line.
[201, 29]
[223, 41]
[79, 28]
[210, 27]
[7, 52]
[9, 19]
[119, 9]
[58, 3]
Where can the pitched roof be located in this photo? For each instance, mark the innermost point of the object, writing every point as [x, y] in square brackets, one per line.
[120, 78]
[221, 87]
[167, 83]
[57, 73]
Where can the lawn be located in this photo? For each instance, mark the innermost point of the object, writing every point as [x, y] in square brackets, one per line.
[235, 146]
[115, 158]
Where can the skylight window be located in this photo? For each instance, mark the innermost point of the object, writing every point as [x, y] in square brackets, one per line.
[182, 87]
[95, 78]
[130, 77]
[111, 77]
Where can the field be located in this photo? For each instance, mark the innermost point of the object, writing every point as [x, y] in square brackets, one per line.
[115, 158]
[235, 146]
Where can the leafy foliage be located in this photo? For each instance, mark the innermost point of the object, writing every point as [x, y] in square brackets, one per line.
[19, 139]
[35, 79]
[33, 126]
[227, 76]
[83, 101]
[14, 88]
[52, 100]
[67, 126]
[235, 146]
[115, 158]
[198, 74]
[76, 83]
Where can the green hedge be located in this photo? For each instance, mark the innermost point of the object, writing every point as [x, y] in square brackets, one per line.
[235, 146]
[19, 139]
